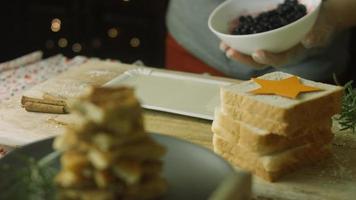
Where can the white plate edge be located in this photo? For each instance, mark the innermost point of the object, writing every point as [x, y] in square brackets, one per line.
[149, 71]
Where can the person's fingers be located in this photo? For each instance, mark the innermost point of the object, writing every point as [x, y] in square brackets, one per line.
[245, 59]
[223, 47]
[277, 59]
[268, 58]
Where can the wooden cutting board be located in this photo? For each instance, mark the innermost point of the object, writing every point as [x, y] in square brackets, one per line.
[334, 178]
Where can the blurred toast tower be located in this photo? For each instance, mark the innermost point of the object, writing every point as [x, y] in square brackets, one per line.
[107, 154]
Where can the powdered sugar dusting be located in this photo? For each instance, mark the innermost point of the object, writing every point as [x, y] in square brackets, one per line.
[96, 73]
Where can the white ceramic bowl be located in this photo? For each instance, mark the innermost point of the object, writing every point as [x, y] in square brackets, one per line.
[276, 40]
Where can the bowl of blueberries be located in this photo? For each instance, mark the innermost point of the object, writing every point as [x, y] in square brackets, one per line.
[271, 25]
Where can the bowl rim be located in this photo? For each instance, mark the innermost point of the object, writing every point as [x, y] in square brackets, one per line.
[218, 8]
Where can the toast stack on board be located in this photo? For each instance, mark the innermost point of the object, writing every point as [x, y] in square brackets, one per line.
[108, 155]
[272, 135]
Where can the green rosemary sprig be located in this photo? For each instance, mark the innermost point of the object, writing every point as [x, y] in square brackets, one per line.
[347, 117]
[32, 182]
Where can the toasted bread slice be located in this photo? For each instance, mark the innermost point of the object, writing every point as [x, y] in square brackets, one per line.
[306, 108]
[273, 166]
[106, 106]
[146, 149]
[131, 171]
[148, 189]
[102, 140]
[262, 141]
[273, 126]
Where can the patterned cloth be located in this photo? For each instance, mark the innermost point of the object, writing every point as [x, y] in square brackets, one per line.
[22, 73]
[18, 62]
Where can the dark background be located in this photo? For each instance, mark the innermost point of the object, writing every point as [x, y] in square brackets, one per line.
[126, 30]
[352, 68]
[118, 29]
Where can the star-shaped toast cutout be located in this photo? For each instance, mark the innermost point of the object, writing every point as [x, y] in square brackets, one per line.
[290, 87]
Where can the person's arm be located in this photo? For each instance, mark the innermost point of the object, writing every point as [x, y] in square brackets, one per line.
[335, 15]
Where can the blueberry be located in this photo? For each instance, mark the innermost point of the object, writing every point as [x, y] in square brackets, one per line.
[242, 19]
[285, 13]
[301, 8]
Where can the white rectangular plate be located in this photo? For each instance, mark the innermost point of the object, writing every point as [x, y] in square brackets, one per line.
[195, 96]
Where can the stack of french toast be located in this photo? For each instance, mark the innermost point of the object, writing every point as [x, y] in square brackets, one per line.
[107, 154]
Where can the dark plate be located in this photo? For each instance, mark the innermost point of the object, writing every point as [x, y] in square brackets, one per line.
[192, 172]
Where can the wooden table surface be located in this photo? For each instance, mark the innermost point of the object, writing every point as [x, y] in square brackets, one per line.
[334, 178]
